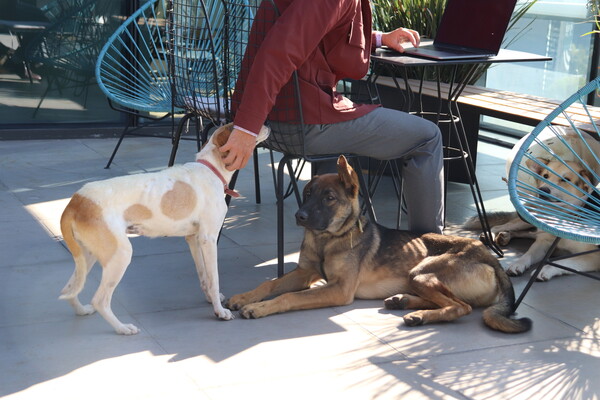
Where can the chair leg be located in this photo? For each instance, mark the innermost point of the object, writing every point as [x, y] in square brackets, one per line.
[199, 132]
[177, 138]
[294, 176]
[364, 188]
[535, 274]
[280, 198]
[114, 153]
[399, 187]
[231, 185]
[48, 85]
[256, 177]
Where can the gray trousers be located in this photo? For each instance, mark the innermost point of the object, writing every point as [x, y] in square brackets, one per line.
[387, 134]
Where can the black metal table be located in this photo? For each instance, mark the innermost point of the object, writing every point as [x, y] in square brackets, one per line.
[18, 28]
[461, 73]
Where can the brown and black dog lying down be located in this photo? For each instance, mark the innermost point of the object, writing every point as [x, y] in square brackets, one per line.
[442, 277]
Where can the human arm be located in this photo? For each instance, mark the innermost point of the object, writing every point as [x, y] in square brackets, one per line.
[396, 38]
[238, 149]
[287, 45]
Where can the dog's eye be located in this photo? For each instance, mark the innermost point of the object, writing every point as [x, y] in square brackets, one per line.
[566, 179]
[330, 198]
[546, 176]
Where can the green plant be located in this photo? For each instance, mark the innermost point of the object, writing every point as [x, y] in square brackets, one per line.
[594, 7]
[421, 15]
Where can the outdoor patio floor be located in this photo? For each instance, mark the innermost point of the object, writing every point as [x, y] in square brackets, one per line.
[360, 351]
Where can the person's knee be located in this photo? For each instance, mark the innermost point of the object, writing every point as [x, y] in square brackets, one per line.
[433, 132]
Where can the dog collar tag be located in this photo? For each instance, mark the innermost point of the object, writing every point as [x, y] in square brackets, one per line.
[226, 188]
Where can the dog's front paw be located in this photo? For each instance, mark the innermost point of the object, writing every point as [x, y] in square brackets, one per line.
[516, 269]
[224, 314]
[253, 311]
[238, 301]
[483, 238]
[548, 272]
[502, 238]
[397, 302]
[127, 329]
[413, 319]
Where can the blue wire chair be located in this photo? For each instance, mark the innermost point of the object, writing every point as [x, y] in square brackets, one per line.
[133, 71]
[568, 134]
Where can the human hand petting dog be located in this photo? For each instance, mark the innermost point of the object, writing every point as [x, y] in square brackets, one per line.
[238, 150]
[397, 37]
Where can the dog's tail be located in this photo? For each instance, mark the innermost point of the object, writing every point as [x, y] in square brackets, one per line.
[498, 315]
[493, 218]
[77, 281]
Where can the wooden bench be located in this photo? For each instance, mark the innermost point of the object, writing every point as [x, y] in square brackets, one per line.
[503, 104]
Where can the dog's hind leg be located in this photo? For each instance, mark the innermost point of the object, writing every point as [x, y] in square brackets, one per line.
[71, 290]
[408, 301]
[449, 307]
[113, 271]
[205, 251]
[584, 263]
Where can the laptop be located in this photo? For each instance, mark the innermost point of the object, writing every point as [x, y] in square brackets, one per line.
[468, 29]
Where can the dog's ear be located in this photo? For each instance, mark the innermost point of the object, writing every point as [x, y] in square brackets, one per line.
[221, 135]
[264, 133]
[534, 166]
[347, 175]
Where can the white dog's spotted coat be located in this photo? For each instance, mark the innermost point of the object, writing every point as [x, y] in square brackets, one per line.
[185, 200]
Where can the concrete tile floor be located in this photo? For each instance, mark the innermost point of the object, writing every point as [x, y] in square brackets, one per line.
[359, 351]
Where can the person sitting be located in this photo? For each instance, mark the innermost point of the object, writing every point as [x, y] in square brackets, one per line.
[326, 41]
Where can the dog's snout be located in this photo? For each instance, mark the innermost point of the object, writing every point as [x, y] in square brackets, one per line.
[301, 216]
[546, 192]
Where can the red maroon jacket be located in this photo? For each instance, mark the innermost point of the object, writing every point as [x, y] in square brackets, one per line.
[326, 41]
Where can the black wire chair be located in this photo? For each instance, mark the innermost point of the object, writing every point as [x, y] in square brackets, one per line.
[66, 51]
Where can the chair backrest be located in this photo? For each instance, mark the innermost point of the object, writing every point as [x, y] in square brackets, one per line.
[132, 68]
[248, 24]
[554, 175]
[196, 31]
[73, 41]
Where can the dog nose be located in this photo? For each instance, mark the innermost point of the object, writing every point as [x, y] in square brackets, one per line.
[301, 216]
[546, 191]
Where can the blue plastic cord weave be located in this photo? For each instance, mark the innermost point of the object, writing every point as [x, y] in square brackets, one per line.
[132, 68]
[555, 172]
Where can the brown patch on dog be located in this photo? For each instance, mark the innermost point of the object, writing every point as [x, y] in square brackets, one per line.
[84, 218]
[137, 212]
[178, 202]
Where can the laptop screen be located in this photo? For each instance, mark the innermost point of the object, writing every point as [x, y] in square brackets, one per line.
[479, 24]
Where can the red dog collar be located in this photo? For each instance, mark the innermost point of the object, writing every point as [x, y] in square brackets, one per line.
[228, 191]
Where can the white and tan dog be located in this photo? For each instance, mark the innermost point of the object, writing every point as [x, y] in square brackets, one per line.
[506, 226]
[185, 200]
